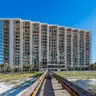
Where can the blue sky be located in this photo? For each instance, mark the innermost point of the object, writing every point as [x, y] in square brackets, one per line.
[70, 13]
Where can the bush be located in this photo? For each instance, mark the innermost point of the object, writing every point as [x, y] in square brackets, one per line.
[9, 70]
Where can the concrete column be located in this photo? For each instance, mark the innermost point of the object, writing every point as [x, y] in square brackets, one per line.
[39, 46]
[30, 43]
[47, 46]
[65, 48]
[72, 49]
[21, 45]
[11, 45]
[78, 50]
[2, 42]
[58, 52]
[84, 48]
[90, 53]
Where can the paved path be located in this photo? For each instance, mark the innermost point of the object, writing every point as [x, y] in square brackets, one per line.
[51, 87]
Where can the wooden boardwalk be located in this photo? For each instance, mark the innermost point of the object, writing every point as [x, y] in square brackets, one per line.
[47, 85]
[51, 87]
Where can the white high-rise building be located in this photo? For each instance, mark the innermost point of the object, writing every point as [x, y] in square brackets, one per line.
[44, 46]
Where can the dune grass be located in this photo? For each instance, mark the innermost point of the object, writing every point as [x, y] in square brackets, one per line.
[78, 74]
[8, 77]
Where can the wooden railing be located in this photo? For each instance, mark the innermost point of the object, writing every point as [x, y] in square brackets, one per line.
[33, 89]
[73, 89]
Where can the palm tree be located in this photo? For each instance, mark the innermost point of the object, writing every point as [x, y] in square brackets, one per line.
[0, 67]
[26, 67]
[5, 66]
[93, 66]
[31, 67]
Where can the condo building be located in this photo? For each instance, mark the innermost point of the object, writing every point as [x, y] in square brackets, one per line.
[44, 46]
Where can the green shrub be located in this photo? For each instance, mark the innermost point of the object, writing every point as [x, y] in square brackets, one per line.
[9, 70]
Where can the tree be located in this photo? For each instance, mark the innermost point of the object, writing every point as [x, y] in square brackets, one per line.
[93, 66]
[27, 67]
[31, 67]
[9, 70]
[5, 66]
[1, 67]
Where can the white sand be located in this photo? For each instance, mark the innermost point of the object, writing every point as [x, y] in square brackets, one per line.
[92, 82]
[4, 86]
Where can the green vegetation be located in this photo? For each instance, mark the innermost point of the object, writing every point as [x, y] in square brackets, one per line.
[8, 77]
[26, 68]
[78, 74]
[4, 66]
[92, 89]
[93, 66]
[9, 70]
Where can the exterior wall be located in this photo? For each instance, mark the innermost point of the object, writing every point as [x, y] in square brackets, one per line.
[75, 48]
[16, 44]
[5, 29]
[53, 63]
[68, 47]
[35, 44]
[88, 48]
[30, 43]
[44, 29]
[40, 51]
[21, 45]
[1, 43]
[11, 44]
[61, 48]
[45, 46]
[26, 42]
[81, 48]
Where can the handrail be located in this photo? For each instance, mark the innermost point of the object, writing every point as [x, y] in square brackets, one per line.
[71, 87]
[32, 89]
[38, 85]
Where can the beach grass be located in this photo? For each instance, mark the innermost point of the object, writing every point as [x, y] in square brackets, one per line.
[8, 77]
[78, 74]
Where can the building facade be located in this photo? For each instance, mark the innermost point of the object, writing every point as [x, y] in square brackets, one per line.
[44, 46]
